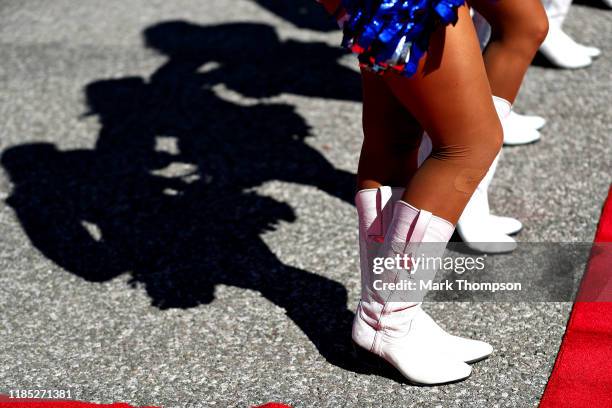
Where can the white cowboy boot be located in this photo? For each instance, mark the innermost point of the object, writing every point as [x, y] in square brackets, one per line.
[521, 129]
[474, 226]
[393, 327]
[518, 129]
[505, 225]
[375, 210]
[589, 50]
[527, 121]
[477, 227]
[561, 50]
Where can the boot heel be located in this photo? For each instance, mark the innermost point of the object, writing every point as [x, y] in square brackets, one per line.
[366, 357]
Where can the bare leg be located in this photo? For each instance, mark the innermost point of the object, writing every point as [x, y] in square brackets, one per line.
[518, 28]
[451, 98]
[392, 137]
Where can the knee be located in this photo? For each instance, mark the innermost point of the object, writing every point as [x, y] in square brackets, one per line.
[490, 146]
[537, 29]
[529, 34]
[477, 150]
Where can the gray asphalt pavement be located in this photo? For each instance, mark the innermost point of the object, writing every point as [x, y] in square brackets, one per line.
[176, 218]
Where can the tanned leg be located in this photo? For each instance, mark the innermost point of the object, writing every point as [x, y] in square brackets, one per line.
[392, 137]
[450, 97]
[518, 28]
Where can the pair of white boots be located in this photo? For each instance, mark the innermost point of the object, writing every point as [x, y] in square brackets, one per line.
[478, 228]
[392, 324]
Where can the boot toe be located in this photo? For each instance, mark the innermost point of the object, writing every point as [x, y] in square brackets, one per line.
[507, 225]
[471, 351]
[525, 121]
[489, 242]
[514, 136]
[431, 369]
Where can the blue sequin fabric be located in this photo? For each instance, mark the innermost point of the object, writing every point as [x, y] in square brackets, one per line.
[394, 34]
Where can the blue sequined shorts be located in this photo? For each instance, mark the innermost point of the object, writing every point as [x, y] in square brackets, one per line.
[394, 34]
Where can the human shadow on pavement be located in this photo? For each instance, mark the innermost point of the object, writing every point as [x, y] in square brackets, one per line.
[167, 192]
[598, 4]
[307, 14]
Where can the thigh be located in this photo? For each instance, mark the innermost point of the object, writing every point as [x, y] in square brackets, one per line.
[510, 15]
[385, 120]
[391, 136]
[451, 98]
[450, 94]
